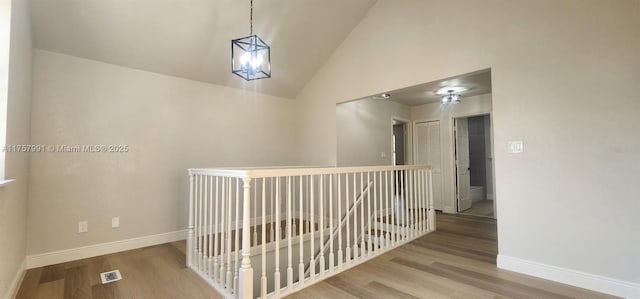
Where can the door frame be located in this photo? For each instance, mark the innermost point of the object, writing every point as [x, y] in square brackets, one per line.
[452, 150]
[408, 136]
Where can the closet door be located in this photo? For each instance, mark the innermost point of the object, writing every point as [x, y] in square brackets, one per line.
[429, 152]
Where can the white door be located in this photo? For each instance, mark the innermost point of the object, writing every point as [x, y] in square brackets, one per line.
[428, 152]
[463, 180]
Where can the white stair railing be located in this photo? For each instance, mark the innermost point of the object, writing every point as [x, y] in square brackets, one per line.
[282, 223]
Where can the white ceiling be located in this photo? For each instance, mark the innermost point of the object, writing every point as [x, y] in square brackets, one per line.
[191, 38]
[476, 83]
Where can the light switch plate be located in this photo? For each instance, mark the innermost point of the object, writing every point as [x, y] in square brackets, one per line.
[83, 226]
[515, 147]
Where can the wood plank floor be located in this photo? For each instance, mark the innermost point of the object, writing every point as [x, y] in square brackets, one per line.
[151, 272]
[482, 208]
[456, 261]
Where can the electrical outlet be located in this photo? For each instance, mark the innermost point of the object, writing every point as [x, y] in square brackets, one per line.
[83, 226]
[115, 222]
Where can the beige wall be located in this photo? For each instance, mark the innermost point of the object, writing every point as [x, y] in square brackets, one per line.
[364, 131]
[475, 105]
[558, 67]
[169, 124]
[13, 197]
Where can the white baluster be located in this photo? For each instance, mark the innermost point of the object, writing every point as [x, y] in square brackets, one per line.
[309, 224]
[425, 200]
[191, 222]
[376, 240]
[293, 206]
[387, 217]
[347, 216]
[199, 223]
[211, 269]
[362, 232]
[410, 207]
[418, 199]
[422, 196]
[321, 243]
[339, 203]
[276, 275]
[216, 232]
[255, 214]
[236, 265]
[394, 194]
[229, 277]
[432, 211]
[263, 245]
[404, 205]
[206, 225]
[369, 243]
[312, 263]
[331, 257]
[301, 232]
[355, 217]
[223, 201]
[289, 237]
[378, 212]
[273, 221]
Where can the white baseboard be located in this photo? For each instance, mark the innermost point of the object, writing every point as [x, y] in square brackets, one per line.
[56, 257]
[489, 196]
[17, 280]
[580, 279]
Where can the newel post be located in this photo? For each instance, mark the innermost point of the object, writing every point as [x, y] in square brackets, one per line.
[245, 288]
[190, 225]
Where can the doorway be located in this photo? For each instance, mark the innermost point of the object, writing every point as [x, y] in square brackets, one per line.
[474, 165]
[400, 141]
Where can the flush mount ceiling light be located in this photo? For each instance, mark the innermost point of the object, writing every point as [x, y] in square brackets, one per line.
[451, 94]
[250, 55]
[451, 97]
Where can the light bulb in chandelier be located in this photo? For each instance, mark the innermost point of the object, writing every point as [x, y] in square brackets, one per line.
[251, 62]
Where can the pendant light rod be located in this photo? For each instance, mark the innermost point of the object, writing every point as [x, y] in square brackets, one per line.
[251, 19]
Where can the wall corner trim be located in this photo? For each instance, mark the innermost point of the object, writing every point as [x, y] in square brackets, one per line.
[66, 255]
[12, 292]
[580, 279]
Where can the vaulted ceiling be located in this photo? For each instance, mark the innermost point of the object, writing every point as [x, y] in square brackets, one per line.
[191, 38]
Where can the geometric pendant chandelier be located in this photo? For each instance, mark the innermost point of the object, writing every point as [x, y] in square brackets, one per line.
[250, 55]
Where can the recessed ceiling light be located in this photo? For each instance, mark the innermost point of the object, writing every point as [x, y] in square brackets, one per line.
[450, 89]
[385, 96]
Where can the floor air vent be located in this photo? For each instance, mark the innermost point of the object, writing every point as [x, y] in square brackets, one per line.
[110, 276]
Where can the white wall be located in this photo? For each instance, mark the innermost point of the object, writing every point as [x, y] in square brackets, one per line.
[364, 131]
[169, 124]
[475, 105]
[13, 197]
[558, 67]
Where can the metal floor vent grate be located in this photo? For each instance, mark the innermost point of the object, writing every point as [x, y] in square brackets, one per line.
[110, 276]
